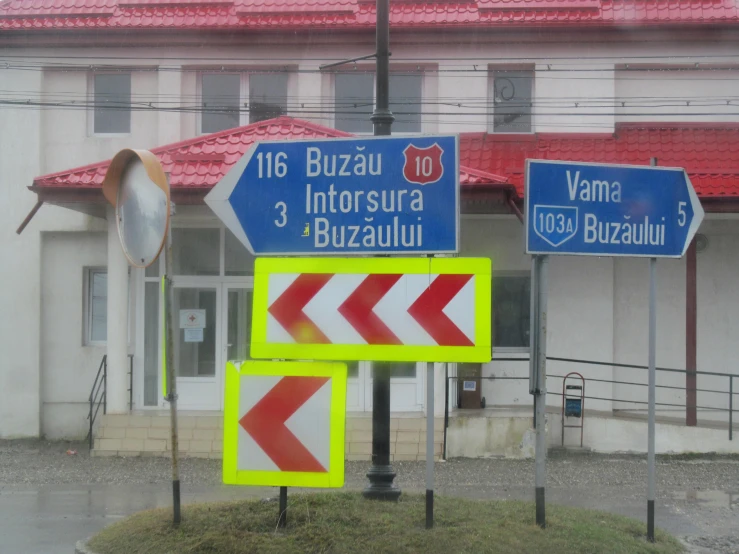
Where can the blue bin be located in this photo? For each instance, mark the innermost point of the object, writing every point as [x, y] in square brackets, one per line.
[573, 407]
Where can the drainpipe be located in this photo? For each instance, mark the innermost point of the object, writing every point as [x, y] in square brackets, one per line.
[514, 208]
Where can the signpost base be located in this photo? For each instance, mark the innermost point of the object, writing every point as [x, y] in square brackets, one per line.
[381, 474]
[381, 485]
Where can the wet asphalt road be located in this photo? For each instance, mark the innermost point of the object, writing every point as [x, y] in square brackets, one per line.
[50, 499]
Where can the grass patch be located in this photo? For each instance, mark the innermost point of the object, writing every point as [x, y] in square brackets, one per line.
[345, 522]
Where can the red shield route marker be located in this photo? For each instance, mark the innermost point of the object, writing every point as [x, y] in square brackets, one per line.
[284, 424]
[423, 165]
[399, 309]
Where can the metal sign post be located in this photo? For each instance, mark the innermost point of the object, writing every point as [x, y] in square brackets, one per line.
[652, 383]
[651, 488]
[538, 376]
[170, 372]
[429, 445]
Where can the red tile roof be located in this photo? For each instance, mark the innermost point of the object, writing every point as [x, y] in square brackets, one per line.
[709, 152]
[358, 14]
[199, 163]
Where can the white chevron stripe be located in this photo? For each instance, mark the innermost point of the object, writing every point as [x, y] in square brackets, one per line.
[461, 310]
[311, 424]
[393, 309]
[276, 333]
[278, 283]
[323, 309]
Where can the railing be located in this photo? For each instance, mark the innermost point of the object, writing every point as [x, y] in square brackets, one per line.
[99, 394]
[660, 405]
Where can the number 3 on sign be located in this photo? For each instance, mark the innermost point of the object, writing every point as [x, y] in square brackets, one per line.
[283, 214]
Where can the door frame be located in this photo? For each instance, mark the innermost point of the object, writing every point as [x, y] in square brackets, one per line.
[246, 284]
[209, 283]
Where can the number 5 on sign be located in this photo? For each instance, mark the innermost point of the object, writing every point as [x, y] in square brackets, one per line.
[681, 216]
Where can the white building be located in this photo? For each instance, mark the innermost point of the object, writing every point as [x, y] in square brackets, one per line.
[198, 82]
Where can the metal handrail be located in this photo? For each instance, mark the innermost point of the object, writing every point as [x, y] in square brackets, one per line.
[99, 393]
[729, 376]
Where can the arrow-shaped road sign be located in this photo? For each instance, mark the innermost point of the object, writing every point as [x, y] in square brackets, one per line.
[284, 424]
[372, 309]
[368, 195]
[609, 210]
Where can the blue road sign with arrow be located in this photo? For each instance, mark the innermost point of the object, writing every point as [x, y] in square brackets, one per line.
[384, 195]
[609, 210]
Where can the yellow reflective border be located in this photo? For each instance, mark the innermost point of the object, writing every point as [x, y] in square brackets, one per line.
[480, 267]
[334, 478]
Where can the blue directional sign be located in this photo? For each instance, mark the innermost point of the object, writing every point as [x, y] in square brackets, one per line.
[609, 210]
[374, 195]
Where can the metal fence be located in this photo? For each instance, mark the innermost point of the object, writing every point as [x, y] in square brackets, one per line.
[724, 396]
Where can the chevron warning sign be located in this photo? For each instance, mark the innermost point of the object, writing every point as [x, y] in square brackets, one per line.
[380, 309]
[284, 424]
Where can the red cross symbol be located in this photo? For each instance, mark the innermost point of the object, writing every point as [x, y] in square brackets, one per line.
[192, 318]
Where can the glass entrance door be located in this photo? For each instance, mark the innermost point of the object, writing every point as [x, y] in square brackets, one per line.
[197, 357]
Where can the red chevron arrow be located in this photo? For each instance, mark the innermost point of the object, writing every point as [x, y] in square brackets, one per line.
[288, 308]
[265, 422]
[357, 309]
[427, 310]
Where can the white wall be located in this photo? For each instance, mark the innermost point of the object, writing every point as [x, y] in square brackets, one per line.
[718, 314]
[68, 365]
[631, 336]
[67, 135]
[20, 153]
[582, 91]
[664, 95]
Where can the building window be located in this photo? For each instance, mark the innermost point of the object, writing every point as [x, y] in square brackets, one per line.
[405, 102]
[196, 252]
[511, 311]
[96, 306]
[512, 97]
[354, 101]
[221, 99]
[112, 101]
[267, 96]
[224, 94]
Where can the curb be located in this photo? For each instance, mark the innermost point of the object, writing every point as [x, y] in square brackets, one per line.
[81, 547]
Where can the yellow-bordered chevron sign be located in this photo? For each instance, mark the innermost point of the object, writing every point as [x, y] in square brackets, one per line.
[377, 309]
[284, 424]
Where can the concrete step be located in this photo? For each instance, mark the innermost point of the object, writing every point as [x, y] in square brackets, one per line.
[201, 436]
